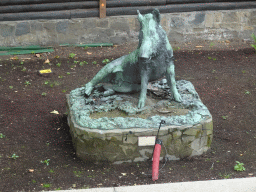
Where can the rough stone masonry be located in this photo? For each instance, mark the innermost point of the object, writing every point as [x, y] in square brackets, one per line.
[233, 25]
[115, 138]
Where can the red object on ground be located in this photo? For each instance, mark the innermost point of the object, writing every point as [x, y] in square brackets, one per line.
[156, 157]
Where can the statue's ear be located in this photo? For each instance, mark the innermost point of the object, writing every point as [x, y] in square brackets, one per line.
[156, 15]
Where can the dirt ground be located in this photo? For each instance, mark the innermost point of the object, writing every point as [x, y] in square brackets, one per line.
[36, 150]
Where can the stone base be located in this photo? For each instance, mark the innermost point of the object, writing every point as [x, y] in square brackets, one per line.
[115, 139]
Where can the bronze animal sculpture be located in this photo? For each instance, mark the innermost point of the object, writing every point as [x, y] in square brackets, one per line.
[152, 59]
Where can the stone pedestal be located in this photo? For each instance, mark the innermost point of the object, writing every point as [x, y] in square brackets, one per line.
[108, 128]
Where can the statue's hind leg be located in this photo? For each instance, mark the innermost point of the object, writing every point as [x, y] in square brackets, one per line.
[170, 75]
[112, 67]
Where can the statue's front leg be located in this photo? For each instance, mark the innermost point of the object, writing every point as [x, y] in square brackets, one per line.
[88, 88]
[170, 75]
[143, 92]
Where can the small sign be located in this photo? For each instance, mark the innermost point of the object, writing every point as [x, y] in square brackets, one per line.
[146, 140]
[45, 71]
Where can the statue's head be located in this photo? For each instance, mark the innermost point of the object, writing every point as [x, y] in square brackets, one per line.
[151, 36]
[155, 16]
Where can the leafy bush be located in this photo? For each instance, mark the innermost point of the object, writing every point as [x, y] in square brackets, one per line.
[239, 166]
[254, 38]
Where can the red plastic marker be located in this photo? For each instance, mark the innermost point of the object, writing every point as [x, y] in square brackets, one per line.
[156, 158]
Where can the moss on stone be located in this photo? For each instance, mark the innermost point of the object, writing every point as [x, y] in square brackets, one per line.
[143, 115]
[198, 134]
[209, 140]
[110, 114]
[208, 126]
[180, 149]
[176, 134]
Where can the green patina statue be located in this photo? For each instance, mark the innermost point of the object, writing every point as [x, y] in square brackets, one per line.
[152, 60]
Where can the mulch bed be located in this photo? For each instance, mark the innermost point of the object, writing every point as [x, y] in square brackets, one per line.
[224, 79]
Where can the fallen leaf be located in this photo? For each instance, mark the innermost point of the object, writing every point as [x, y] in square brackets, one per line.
[199, 46]
[23, 59]
[45, 71]
[31, 170]
[227, 41]
[241, 154]
[55, 112]
[89, 53]
[14, 58]
[38, 55]
[47, 61]
[58, 129]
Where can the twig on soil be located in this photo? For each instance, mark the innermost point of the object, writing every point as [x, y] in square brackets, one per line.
[212, 165]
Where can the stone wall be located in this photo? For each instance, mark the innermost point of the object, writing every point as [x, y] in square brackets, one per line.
[184, 27]
[121, 145]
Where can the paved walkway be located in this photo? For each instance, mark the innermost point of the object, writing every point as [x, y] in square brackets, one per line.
[226, 185]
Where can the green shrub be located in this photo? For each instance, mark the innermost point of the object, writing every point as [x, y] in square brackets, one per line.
[239, 166]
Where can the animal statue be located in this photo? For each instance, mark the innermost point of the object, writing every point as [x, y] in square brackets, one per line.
[152, 60]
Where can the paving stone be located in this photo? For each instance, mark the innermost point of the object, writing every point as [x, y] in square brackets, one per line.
[218, 16]
[130, 139]
[117, 40]
[196, 146]
[231, 26]
[62, 26]
[176, 134]
[208, 126]
[50, 26]
[120, 25]
[22, 28]
[89, 23]
[199, 18]
[164, 23]
[194, 131]
[198, 30]
[231, 17]
[177, 22]
[188, 139]
[176, 36]
[7, 30]
[75, 29]
[246, 27]
[26, 39]
[209, 20]
[102, 23]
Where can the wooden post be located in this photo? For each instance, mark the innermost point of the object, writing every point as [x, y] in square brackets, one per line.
[102, 8]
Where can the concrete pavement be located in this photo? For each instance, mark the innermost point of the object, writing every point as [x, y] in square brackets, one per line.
[226, 185]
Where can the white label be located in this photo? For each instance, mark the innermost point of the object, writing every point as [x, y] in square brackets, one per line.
[146, 140]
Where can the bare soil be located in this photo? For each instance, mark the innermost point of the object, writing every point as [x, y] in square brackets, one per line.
[225, 79]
